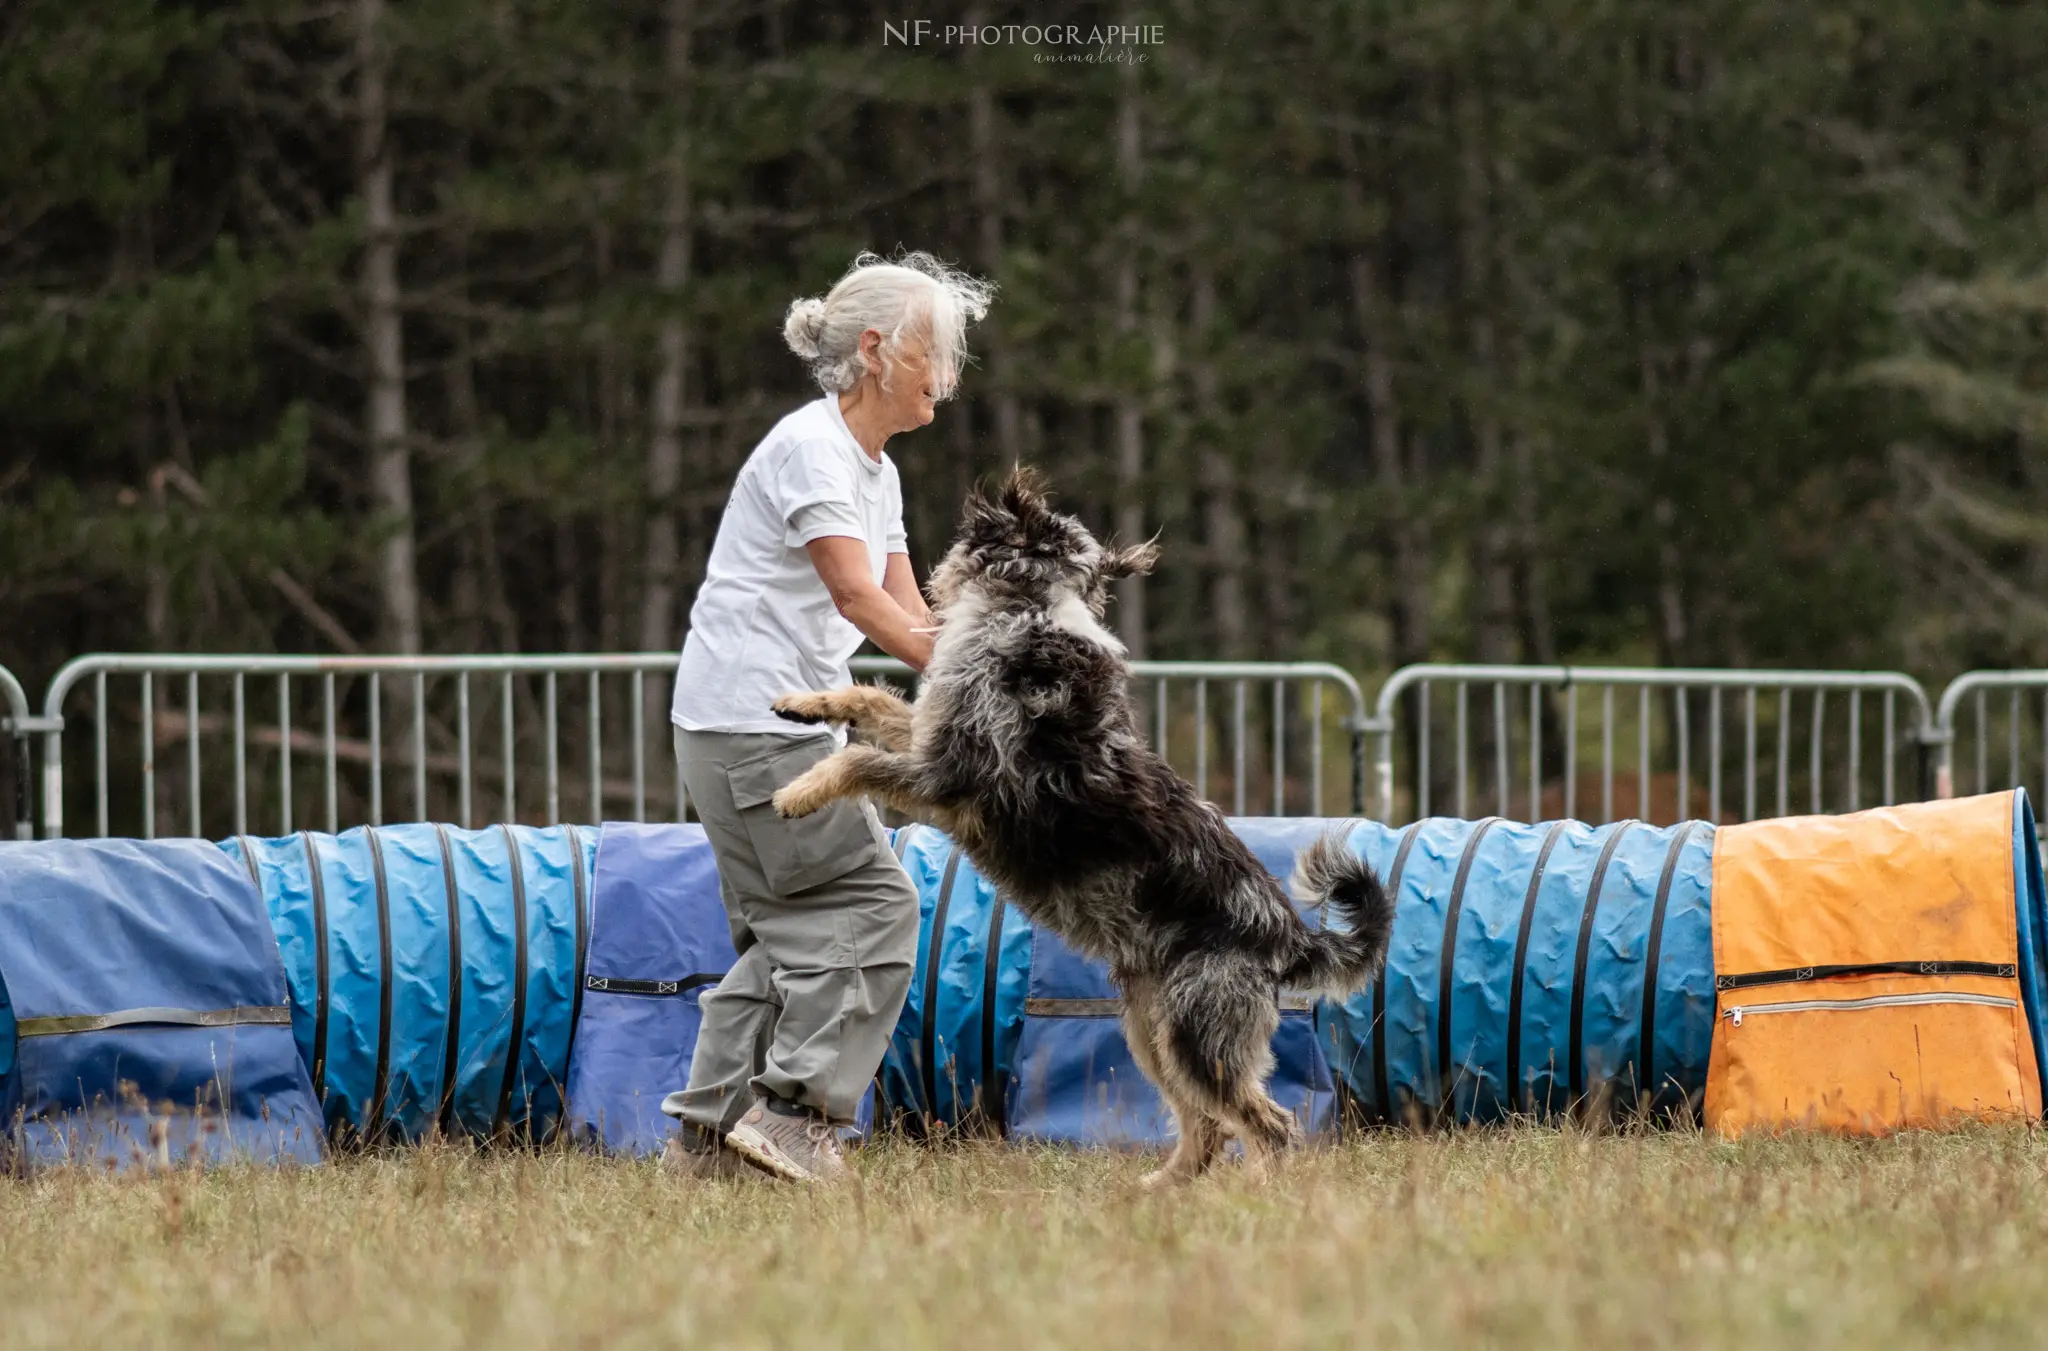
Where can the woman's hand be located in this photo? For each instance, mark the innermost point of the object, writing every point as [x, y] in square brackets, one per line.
[843, 566]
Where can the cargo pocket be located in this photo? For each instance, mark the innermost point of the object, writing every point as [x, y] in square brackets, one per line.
[796, 856]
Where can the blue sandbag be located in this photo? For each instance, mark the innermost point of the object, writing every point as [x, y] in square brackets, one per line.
[659, 938]
[434, 972]
[145, 989]
[1074, 1081]
[1526, 965]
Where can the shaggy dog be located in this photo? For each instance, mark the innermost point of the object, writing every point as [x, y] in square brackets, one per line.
[1023, 746]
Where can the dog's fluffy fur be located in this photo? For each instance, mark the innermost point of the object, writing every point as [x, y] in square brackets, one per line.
[1023, 746]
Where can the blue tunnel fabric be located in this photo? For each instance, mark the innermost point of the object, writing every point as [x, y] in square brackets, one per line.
[659, 939]
[1520, 978]
[163, 969]
[434, 972]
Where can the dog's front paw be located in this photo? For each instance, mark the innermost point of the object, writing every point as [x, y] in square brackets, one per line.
[796, 799]
[805, 708]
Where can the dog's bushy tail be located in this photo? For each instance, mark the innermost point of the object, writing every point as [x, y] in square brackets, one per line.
[1339, 960]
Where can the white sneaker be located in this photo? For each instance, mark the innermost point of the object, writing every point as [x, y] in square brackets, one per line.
[795, 1147]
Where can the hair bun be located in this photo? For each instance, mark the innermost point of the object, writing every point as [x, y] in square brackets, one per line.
[804, 327]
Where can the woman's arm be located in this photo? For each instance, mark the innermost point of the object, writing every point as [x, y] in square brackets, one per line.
[901, 584]
[843, 566]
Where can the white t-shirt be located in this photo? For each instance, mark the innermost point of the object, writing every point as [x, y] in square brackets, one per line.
[763, 623]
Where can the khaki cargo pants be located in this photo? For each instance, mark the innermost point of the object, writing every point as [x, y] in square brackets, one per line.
[825, 921]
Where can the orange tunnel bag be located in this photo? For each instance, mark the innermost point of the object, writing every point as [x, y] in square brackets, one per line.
[1867, 972]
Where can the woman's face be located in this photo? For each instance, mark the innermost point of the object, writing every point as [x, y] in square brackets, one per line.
[909, 389]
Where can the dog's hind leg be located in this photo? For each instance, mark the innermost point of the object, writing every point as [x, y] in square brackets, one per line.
[1267, 1129]
[1198, 1136]
[881, 714]
[1217, 1023]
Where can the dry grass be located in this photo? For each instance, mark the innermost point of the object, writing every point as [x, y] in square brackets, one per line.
[1518, 1238]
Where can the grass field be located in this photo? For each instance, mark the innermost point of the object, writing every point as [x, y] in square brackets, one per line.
[1515, 1238]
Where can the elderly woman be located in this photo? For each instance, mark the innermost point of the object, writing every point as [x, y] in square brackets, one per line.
[810, 559]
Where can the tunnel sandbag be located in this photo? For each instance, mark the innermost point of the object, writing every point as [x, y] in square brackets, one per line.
[1533, 970]
[1878, 971]
[947, 1063]
[1044, 1021]
[146, 1015]
[659, 942]
[659, 939]
[1074, 1081]
[434, 972]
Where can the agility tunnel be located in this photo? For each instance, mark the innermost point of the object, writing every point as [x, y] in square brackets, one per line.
[179, 999]
[1531, 968]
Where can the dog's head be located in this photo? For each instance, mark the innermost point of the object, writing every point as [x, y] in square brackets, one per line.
[1015, 550]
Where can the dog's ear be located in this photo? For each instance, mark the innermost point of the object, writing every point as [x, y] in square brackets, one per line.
[1133, 560]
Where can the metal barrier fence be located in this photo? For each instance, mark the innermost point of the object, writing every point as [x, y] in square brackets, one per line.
[17, 727]
[2021, 721]
[401, 733]
[1695, 733]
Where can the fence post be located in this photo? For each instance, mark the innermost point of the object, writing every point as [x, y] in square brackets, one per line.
[19, 727]
[14, 712]
[1381, 726]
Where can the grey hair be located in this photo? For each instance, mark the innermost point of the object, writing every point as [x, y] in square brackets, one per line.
[913, 294]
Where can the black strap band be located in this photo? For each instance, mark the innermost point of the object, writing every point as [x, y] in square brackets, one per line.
[373, 1124]
[1577, 1045]
[1793, 975]
[451, 1062]
[992, 1091]
[1517, 1090]
[655, 988]
[1381, 1106]
[320, 1000]
[249, 862]
[928, 1040]
[584, 920]
[516, 1047]
[1646, 1046]
[1446, 1081]
[901, 846]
